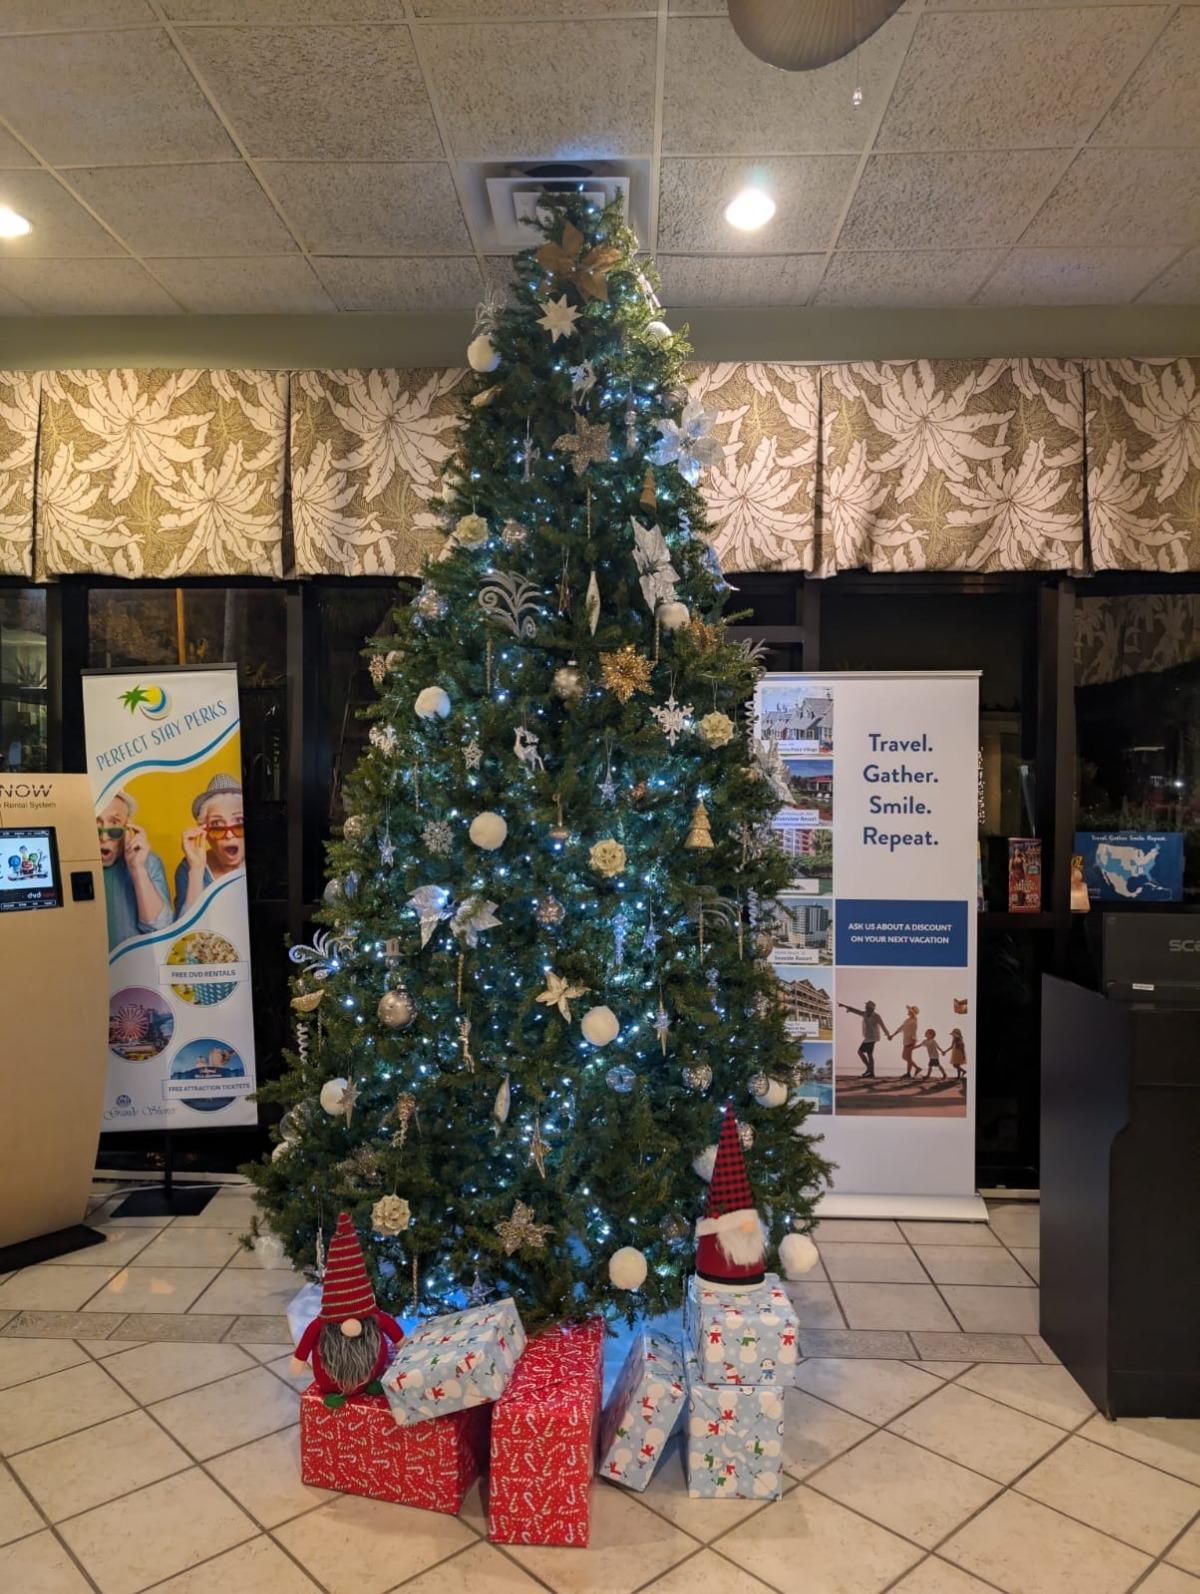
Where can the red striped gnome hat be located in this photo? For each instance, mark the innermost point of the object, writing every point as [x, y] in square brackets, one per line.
[346, 1293]
[730, 1245]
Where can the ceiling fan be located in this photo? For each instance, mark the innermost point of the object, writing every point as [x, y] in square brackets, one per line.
[800, 35]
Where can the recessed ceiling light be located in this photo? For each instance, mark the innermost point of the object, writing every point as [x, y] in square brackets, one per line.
[12, 225]
[750, 210]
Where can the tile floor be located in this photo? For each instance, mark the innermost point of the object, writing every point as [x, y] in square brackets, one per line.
[933, 1445]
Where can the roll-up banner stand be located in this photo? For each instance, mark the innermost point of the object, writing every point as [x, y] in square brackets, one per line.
[874, 943]
[165, 761]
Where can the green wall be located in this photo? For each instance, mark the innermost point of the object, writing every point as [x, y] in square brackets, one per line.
[60, 342]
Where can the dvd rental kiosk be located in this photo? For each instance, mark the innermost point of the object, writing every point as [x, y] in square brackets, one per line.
[54, 958]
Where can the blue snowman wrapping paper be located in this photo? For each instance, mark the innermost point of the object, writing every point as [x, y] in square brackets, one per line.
[741, 1336]
[454, 1362]
[734, 1445]
[642, 1411]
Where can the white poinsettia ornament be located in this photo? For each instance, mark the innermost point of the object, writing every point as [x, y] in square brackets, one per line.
[688, 443]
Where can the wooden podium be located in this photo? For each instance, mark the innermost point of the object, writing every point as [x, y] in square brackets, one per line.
[53, 1057]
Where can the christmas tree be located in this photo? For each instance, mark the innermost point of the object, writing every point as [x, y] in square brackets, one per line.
[540, 973]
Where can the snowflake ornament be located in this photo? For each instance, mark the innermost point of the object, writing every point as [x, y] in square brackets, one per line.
[558, 318]
[688, 443]
[673, 718]
[383, 738]
[437, 837]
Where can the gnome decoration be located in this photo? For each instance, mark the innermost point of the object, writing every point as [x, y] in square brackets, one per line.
[730, 1238]
[347, 1342]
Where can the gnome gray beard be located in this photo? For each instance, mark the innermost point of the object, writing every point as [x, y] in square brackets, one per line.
[350, 1363]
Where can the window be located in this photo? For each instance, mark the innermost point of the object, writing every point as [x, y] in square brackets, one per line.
[23, 696]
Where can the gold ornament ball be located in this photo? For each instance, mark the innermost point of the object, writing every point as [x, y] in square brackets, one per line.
[396, 1009]
[354, 828]
[568, 683]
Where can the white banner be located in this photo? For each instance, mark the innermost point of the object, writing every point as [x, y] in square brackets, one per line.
[165, 760]
[874, 944]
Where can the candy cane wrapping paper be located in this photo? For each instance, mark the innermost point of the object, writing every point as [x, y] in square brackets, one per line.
[544, 1440]
[642, 1411]
[741, 1336]
[454, 1362]
[734, 1448]
[356, 1448]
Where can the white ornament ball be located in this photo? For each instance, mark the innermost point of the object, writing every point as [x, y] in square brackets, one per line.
[774, 1095]
[599, 1026]
[568, 682]
[268, 1250]
[333, 1097]
[704, 1164]
[627, 1268]
[281, 1151]
[396, 1009]
[481, 354]
[673, 616]
[432, 703]
[488, 831]
[797, 1255]
[658, 332]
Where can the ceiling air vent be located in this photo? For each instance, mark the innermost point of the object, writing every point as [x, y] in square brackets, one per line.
[506, 199]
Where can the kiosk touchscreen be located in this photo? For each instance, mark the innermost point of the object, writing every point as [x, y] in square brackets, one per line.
[29, 872]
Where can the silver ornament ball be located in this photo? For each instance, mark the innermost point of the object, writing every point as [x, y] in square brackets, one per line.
[396, 1009]
[697, 1077]
[621, 1079]
[757, 1084]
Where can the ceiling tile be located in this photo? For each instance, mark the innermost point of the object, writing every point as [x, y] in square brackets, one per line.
[946, 201]
[284, 10]
[720, 99]
[809, 193]
[107, 98]
[381, 209]
[185, 210]
[376, 283]
[255, 285]
[1179, 284]
[905, 278]
[1161, 102]
[1123, 195]
[318, 93]
[544, 90]
[1013, 79]
[9, 305]
[13, 153]
[43, 16]
[506, 10]
[1073, 276]
[734, 280]
[61, 226]
[86, 287]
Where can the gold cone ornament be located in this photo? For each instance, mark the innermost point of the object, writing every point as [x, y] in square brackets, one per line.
[699, 837]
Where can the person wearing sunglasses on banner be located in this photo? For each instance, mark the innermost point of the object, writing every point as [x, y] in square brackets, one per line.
[135, 882]
[215, 846]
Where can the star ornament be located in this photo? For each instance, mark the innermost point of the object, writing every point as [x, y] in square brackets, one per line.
[568, 262]
[625, 672]
[558, 318]
[561, 993]
[519, 1230]
[588, 445]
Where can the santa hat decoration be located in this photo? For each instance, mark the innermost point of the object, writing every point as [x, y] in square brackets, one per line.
[730, 1244]
[346, 1293]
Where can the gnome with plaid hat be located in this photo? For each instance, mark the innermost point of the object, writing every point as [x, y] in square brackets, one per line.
[348, 1341]
[730, 1238]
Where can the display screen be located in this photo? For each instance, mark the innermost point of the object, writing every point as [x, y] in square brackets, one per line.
[29, 876]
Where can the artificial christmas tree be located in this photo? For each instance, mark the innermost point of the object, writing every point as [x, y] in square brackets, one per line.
[538, 970]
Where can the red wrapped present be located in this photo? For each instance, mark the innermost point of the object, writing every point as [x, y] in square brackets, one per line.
[357, 1448]
[544, 1429]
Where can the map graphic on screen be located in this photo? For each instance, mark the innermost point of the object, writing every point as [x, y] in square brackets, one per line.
[29, 875]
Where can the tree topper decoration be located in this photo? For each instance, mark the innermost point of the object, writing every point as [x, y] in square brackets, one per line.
[568, 262]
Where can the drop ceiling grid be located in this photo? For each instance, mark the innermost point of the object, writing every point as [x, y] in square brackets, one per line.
[286, 182]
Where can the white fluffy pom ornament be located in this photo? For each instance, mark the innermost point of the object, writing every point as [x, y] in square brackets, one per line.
[432, 703]
[673, 616]
[627, 1268]
[657, 332]
[488, 831]
[600, 1025]
[797, 1255]
[481, 354]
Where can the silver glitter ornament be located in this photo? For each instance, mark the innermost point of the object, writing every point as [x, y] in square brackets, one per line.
[396, 1009]
[430, 604]
[746, 1136]
[757, 1084]
[698, 1076]
[673, 1230]
[621, 1079]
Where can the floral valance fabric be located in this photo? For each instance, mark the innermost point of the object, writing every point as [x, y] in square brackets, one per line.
[162, 473]
[18, 454]
[1143, 436]
[952, 465]
[973, 465]
[1134, 634]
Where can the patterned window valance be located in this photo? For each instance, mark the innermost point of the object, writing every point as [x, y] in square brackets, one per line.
[18, 454]
[952, 465]
[162, 473]
[1143, 441]
[1135, 634]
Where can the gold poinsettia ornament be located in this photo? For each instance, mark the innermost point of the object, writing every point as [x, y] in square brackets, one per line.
[625, 672]
[568, 262]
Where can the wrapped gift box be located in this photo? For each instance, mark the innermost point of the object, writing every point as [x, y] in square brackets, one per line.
[734, 1448]
[642, 1411]
[544, 1430]
[741, 1336]
[356, 1448]
[455, 1362]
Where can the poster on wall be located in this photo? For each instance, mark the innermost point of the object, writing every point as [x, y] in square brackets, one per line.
[873, 941]
[164, 756]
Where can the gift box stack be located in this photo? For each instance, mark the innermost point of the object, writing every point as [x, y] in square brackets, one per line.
[741, 1337]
